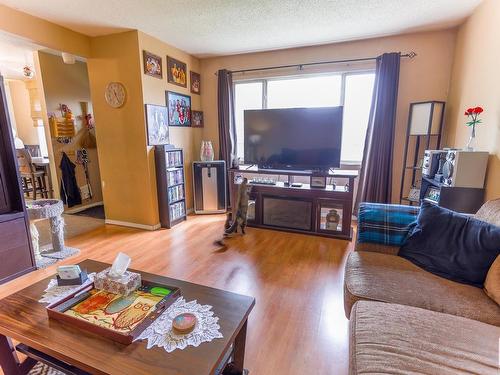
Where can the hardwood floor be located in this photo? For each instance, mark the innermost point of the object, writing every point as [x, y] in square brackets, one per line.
[298, 324]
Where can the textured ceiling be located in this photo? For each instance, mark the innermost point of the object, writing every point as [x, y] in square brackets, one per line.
[219, 27]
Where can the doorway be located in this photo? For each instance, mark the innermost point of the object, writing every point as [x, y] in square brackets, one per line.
[51, 116]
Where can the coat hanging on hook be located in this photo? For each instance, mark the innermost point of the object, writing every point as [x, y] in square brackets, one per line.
[70, 193]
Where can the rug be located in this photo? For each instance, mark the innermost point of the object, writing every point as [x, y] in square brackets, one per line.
[95, 212]
[42, 369]
[49, 257]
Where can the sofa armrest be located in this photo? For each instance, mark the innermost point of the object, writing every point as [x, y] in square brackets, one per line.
[383, 227]
[377, 248]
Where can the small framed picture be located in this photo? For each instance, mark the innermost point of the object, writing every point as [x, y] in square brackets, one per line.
[414, 194]
[318, 182]
[176, 72]
[157, 125]
[179, 109]
[195, 82]
[432, 194]
[197, 119]
[152, 65]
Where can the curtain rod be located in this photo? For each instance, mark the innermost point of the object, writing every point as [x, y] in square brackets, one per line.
[409, 55]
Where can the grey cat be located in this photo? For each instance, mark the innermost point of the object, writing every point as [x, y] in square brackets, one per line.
[241, 209]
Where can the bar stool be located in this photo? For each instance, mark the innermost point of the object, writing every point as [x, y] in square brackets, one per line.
[31, 176]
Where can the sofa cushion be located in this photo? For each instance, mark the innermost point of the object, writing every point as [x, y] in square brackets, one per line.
[490, 212]
[492, 283]
[396, 339]
[452, 245]
[390, 278]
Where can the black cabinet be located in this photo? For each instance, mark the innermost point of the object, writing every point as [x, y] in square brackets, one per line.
[460, 199]
[4, 198]
[15, 242]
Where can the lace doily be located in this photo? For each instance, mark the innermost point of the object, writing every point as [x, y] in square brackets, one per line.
[160, 333]
[55, 292]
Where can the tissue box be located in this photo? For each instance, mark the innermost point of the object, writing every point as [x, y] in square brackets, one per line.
[123, 285]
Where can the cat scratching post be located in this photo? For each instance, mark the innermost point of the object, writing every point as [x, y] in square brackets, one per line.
[51, 209]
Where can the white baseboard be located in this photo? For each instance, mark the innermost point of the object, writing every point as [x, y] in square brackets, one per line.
[132, 225]
[83, 208]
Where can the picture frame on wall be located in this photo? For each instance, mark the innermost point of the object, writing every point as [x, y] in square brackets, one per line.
[195, 80]
[176, 72]
[157, 125]
[179, 109]
[152, 64]
[197, 119]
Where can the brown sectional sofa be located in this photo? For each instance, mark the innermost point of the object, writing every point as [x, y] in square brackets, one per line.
[404, 319]
[390, 338]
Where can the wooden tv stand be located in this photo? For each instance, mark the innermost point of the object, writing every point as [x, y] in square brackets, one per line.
[299, 209]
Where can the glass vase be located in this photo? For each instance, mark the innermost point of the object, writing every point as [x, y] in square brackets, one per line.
[206, 151]
[472, 139]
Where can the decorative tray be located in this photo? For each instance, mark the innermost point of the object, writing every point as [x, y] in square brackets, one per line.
[120, 318]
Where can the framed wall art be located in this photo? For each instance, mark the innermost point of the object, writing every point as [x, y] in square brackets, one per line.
[157, 125]
[197, 119]
[179, 109]
[152, 64]
[176, 72]
[195, 79]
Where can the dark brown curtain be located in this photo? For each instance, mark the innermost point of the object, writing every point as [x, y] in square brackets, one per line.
[375, 179]
[227, 129]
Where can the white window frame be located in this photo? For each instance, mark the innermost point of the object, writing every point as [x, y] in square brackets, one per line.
[342, 74]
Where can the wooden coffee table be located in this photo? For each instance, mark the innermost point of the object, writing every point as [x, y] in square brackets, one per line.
[25, 320]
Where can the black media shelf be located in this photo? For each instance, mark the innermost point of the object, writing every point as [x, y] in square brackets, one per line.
[170, 180]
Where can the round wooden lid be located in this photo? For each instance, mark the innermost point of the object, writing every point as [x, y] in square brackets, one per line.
[184, 323]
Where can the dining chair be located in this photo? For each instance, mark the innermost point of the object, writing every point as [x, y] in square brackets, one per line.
[34, 150]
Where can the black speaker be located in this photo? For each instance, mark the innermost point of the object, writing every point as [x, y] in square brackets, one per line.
[209, 180]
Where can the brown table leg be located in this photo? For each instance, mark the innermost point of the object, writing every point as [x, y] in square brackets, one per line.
[239, 348]
[49, 178]
[8, 358]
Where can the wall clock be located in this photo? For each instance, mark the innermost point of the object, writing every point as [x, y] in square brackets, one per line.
[115, 94]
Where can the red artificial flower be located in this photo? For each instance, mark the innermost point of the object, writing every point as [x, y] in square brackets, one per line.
[470, 111]
[466, 113]
[478, 110]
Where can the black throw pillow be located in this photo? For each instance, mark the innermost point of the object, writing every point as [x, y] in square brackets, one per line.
[452, 245]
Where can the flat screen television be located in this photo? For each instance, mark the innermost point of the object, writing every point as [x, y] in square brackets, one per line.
[293, 138]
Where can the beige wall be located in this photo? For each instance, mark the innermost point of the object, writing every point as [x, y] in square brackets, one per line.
[127, 163]
[69, 84]
[22, 112]
[43, 32]
[476, 81]
[121, 134]
[425, 77]
[153, 90]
